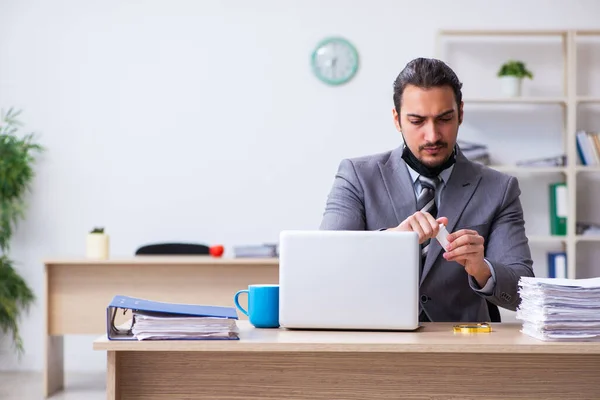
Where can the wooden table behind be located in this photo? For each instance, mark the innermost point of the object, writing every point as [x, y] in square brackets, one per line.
[79, 290]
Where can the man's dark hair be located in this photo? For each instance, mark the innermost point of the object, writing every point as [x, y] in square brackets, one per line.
[426, 73]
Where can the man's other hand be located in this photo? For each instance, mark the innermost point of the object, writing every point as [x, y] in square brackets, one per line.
[423, 223]
[466, 248]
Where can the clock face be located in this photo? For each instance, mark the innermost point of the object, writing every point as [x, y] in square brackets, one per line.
[335, 61]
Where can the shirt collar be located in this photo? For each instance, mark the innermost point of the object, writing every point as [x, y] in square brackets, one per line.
[444, 175]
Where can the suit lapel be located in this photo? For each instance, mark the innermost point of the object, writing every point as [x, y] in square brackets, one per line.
[398, 184]
[455, 197]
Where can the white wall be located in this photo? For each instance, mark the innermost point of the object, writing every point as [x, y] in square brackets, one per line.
[201, 121]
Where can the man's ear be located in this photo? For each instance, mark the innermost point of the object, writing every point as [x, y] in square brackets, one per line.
[460, 113]
[396, 119]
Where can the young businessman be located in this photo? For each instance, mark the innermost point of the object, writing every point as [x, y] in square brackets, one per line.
[428, 181]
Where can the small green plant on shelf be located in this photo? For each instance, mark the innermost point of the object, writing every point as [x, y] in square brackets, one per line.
[511, 74]
[516, 69]
[97, 230]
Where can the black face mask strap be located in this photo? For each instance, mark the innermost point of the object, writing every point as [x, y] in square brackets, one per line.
[422, 169]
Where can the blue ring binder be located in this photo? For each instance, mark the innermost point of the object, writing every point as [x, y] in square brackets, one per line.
[165, 310]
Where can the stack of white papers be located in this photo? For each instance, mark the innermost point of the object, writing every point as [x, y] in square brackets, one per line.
[147, 327]
[560, 309]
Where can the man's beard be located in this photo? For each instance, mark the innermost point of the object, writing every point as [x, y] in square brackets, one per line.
[430, 171]
[437, 145]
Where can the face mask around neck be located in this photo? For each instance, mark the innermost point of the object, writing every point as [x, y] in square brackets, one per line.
[429, 172]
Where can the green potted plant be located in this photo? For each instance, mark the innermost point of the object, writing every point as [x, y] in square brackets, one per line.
[17, 156]
[97, 244]
[511, 75]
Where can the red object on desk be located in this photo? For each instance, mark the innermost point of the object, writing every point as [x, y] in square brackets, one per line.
[216, 251]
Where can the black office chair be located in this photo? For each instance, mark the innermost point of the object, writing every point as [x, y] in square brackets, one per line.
[173, 249]
[494, 312]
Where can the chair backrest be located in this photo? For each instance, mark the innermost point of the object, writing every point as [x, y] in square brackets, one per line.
[173, 249]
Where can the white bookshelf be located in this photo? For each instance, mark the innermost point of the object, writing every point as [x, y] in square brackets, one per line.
[546, 239]
[587, 238]
[588, 99]
[517, 100]
[518, 169]
[567, 100]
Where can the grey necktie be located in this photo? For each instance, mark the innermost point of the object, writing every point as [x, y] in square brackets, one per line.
[426, 203]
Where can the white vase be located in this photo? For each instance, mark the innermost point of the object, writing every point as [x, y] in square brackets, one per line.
[511, 86]
[97, 246]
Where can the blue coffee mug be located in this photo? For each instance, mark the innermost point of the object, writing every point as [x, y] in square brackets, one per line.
[263, 305]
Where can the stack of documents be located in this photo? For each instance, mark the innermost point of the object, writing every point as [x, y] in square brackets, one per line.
[258, 251]
[476, 152]
[555, 309]
[153, 320]
[148, 326]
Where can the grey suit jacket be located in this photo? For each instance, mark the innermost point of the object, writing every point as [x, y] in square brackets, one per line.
[376, 191]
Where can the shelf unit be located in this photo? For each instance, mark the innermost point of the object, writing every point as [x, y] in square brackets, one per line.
[518, 169]
[517, 100]
[569, 101]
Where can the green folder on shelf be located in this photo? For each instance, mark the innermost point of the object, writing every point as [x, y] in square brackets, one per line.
[558, 208]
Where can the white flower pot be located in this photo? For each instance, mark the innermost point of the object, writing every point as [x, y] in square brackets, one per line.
[511, 86]
[97, 246]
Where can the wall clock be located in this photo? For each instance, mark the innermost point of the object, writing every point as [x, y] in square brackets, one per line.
[334, 61]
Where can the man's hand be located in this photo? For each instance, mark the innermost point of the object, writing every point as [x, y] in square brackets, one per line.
[423, 223]
[466, 248]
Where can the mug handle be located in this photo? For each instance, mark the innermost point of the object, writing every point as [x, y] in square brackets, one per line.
[237, 303]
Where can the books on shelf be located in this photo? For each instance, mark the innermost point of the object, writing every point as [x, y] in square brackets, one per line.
[588, 228]
[480, 153]
[475, 152]
[558, 208]
[555, 309]
[554, 161]
[153, 320]
[588, 147]
[557, 264]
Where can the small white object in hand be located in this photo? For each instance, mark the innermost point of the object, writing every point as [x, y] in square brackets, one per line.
[442, 235]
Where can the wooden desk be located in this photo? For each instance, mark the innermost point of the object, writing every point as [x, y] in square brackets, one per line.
[433, 363]
[78, 291]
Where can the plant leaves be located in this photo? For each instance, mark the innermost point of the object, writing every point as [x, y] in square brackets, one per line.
[15, 297]
[17, 155]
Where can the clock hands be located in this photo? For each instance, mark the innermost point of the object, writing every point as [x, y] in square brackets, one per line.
[333, 66]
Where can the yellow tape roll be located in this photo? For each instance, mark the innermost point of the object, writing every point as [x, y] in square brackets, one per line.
[473, 328]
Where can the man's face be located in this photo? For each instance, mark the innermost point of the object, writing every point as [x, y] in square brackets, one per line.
[429, 120]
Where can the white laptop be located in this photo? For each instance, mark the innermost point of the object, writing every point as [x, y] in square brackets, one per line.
[363, 280]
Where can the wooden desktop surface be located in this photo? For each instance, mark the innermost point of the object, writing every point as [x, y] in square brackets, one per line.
[431, 337]
[431, 363]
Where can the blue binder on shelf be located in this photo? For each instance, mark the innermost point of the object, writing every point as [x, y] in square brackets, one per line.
[557, 265]
[157, 308]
